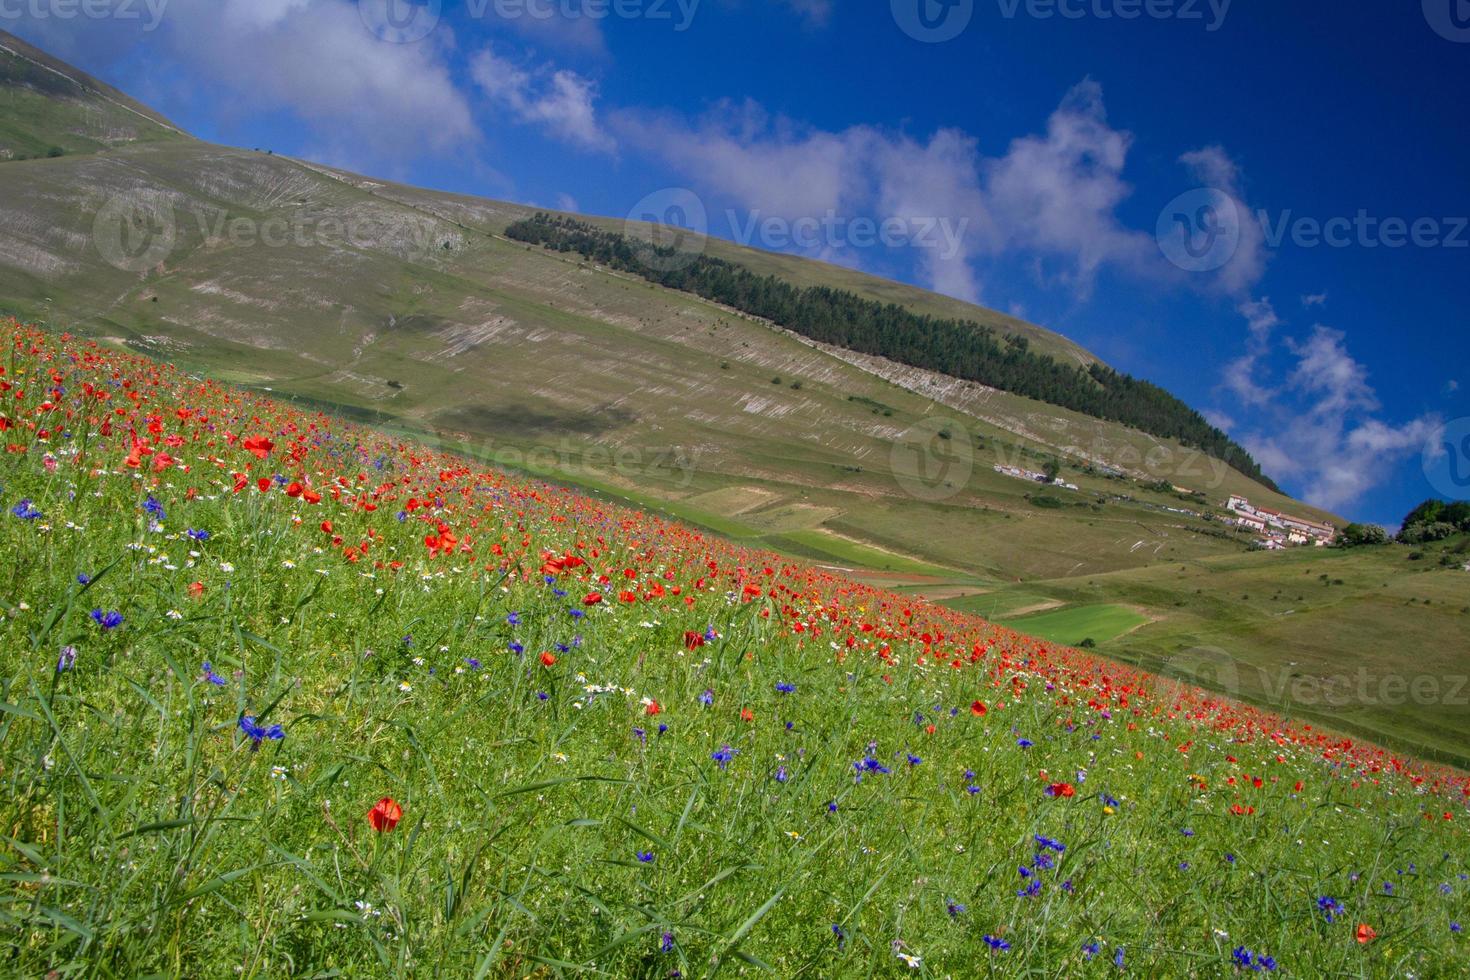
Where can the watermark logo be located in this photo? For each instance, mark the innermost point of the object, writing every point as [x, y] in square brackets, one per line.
[832, 232]
[150, 12]
[933, 460]
[669, 229]
[1449, 18]
[1199, 231]
[400, 21]
[1447, 460]
[933, 21]
[134, 234]
[1210, 13]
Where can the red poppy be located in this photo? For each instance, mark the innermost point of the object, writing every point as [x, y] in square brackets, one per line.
[693, 640]
[978, 709]
[654, 708]
[592, 599]
[1065, 790]
[260, 446]
[1366, 933]
[385, 814]
[548, 660]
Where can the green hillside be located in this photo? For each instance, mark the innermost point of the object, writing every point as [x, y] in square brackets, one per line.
[48, 108]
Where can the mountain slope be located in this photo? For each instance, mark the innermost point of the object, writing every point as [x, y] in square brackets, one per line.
[49, 107]
[410, 307]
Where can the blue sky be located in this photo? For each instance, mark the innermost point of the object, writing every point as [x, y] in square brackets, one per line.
[1024, 152]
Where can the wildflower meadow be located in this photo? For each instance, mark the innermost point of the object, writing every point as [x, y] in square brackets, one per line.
[281, 695]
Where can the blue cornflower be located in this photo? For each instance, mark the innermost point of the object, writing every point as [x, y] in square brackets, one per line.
[472, 663]
[1454, 927]
[1108, 801]
[1187, 832]
[666, 945]
[1118, 957]
[972, 789]
[1254, 962]
[997, 944]
[1025, 743]
[67, 660]
[723, 756]
[259, 733]
[645, 857]
[516, 648]
[1230, 858]
[785, 688]
[212, 677]
[1031, 890]
[662, 728]
[152, 507]
[26, 511]
[707, 698]
[1091, 949]
[1329, 907]
[832, 807]
[1388, 888]
[197, 535]
[575, 613]
[108, 621]
[955, 909]
[913, 759]
[514, 619]
[562, 648]
[781, 775]
[840, 935]
[83, 578]
[642, 735]
[1050, 845]
[870, 765]
[542, 696]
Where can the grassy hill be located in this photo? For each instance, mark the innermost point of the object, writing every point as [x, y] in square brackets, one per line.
[287, 696]
[48, 108]
[408, 308]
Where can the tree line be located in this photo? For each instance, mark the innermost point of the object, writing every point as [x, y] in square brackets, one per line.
[959, 348]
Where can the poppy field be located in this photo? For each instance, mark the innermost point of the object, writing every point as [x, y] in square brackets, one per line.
[282, 695]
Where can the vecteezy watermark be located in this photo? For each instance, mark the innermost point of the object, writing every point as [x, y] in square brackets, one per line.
[1202, 230]
[1211, 13]
[1449, 18]
[1199, 231]
[400, 21]
[833, 231]
[669, 229]
[136, 234]
[937, 21]
[1283, 687]
[406, 21]
[934, 459]
[576, 461]
[1447, 460]
[148, 11]
[933, 21]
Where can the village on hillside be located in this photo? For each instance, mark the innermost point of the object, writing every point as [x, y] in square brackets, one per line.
[1279, 531]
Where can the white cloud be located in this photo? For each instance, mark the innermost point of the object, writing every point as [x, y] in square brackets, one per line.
[1053, 195]
[1319, 428]
[1314, 299]
[1214, 168]
[558, 99]
[1058, 194]
[316, 59]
